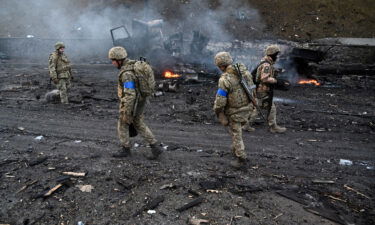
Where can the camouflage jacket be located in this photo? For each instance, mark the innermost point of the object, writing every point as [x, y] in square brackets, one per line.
[265, 75]
[127, 88]
[59, 66]
[231, 98]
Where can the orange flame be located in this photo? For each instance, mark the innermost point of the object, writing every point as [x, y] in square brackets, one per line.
[169, 74]
[315, 82]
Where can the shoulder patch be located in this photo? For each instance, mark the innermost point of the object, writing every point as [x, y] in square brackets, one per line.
[266, 69]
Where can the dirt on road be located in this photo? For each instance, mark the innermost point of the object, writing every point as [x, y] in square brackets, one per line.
[324, 163]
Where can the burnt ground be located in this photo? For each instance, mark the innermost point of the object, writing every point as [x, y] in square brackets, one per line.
[325, 124]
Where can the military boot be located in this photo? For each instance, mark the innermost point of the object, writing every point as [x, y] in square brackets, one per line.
[124, 152]
[277, 129]
[238, 163]
[249, 128]
[156, 150]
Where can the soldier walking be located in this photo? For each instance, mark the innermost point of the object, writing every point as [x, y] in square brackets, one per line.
[60, 71]
[232, 105]
[132, 102]
[265, 80]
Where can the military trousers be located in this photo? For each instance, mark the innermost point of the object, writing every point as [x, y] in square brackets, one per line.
[264, 103]
[238, 147]
[139, 125]
[63, 85]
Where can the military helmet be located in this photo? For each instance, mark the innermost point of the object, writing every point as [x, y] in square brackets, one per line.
[117, 53]
[223, 59]
[272, 49]
[59, 45]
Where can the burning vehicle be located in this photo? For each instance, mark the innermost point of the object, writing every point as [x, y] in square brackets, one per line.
[163, 53]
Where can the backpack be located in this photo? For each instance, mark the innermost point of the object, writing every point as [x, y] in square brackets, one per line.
[145, 77]
[254, 72]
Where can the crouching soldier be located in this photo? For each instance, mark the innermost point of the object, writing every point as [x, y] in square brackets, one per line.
[60, 71]
[232, 105]
[135, 84]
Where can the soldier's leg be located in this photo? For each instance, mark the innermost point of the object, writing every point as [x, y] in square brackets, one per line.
[146, 133]
[274, 128]
[253, 115]
[123, 133]
[63, 91]
[272, 115]
[238, 146]
[68, 84]
[143, 129]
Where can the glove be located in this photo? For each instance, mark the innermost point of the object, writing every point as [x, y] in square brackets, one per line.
[223, 119]
[282, 84]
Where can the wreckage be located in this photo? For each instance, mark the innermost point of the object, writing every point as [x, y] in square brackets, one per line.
[165, 54]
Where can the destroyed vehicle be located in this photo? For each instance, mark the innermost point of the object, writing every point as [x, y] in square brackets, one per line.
[163, 53]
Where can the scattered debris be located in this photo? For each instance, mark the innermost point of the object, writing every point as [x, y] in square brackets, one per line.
[359, 193]
[345, 162]
[27, 185]
[151, 204]
[85, 188]
[213, 191]
[193, 203]
[21, 128]
[335, 198]
[317, 181]
[195, 193]
[195, 221]
[77, 141]
[52, 96]
[165, 186]
[151, 211]
[158, 93]
[52, 190]
[38, 138]
[38, 161]
[280, 214]
[75, 174]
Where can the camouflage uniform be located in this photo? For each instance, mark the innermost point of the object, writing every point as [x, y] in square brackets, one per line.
[232, 101]
[60, 71]
[128, 96]
[266, 77]
[132, 104]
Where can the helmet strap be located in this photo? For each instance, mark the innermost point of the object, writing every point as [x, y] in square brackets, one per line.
[119, 63]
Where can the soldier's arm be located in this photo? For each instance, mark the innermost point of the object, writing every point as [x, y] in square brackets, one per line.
[52, 66]
[221, 95]
[69, 67]
[265, 74]
[129, 93]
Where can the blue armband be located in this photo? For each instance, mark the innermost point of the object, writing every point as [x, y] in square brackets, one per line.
[221, 92]
[129, 84]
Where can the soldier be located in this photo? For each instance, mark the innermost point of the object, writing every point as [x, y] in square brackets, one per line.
[131, 105]
[265, 80]
[232, 105]
[60, 71]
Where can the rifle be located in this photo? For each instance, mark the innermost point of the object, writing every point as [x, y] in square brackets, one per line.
[248, 90]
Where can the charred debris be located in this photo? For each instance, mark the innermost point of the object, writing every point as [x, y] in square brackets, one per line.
[187, 57]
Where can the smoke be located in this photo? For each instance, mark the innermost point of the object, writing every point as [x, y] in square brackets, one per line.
[67, 20]
[220, 20]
